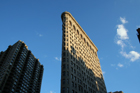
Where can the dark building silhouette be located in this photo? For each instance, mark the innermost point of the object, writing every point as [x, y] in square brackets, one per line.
[20, 71]
[80, 68]
[116, 92]
[138, 30]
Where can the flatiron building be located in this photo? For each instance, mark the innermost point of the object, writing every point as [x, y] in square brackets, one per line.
[80, 69]
[20, 71]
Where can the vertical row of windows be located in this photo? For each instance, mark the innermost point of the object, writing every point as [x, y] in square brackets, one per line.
[65, 90]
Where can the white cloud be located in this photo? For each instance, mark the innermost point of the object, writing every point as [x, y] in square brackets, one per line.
[40, 35]
[132, 55]
[122, 32]
[123, 40]
[52, 92]
[58, 59]
[123, 20]
[120, 65]
[121, 43]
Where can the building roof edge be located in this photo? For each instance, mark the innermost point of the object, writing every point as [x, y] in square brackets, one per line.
[79, 26]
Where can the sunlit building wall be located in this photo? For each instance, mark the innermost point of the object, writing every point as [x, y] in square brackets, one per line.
[80, 69]
[20, 71]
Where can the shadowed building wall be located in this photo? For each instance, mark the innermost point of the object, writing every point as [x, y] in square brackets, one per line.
[80, 69]
[116, 92]
[20, 71]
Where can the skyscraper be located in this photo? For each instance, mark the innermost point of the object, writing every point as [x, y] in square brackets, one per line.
[20, 71]
[80, 70]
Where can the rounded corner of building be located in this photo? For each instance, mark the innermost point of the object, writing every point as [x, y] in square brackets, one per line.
[66, 12]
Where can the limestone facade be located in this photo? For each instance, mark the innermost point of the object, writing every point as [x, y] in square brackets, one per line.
[81, 71]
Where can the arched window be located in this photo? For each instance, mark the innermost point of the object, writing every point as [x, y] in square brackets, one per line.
[70, 23]
[74, 27]
[77, 32]
[81, 36]
[93, 50]
[84, 40]
[87, 44]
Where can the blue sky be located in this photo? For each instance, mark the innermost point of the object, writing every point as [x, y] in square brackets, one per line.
[110, 24]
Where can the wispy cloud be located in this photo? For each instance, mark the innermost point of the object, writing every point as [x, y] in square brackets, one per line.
[123, 20]
[120, 65]
[38, 34]
[52, 92]
[58, 59]
[123, 41]
[122, 32]
[132, 55]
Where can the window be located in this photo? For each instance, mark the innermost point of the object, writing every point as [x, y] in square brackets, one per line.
[72, 91]
[63, 66]
[72, 84]
[70, 23]
[75, 78]
[67, 66]
[72, 76]
[63, 90]
[77, 32]
[64, 54]
[71, 69]
[74, 71]
[63, 59]
[63, 81]
[67, 81]
[85, 91]
[67, 90]
[84, 40]
[87, 44]
[78, 80]
[75, 85]
[71, 63]
[79, 88]
[74, 65]
[67, 73]
[63, 73]
[81, 36]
